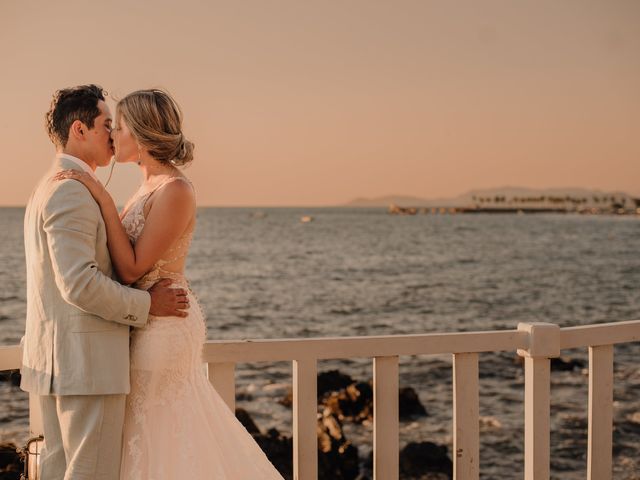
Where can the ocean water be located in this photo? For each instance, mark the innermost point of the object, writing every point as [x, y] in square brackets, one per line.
[364, 272]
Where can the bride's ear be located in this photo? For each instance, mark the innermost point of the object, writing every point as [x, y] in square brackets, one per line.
[143, 153]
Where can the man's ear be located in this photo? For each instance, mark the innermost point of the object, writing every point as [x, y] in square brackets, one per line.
[78, 129]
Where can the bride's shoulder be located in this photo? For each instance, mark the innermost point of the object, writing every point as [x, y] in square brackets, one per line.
[178, 191]
[181, 180]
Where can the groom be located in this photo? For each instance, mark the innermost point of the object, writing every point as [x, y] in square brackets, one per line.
[76, 344]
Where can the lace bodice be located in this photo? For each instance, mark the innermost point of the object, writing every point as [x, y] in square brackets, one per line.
[171, 265]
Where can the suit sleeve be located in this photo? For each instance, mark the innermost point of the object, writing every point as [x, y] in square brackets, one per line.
[70, 219]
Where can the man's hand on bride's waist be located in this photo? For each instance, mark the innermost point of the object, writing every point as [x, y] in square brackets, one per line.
[167, 301]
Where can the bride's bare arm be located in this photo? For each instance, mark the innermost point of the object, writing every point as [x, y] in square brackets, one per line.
[171, 212]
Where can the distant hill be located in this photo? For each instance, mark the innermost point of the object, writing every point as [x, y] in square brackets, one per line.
[507, 195]
[395, 199]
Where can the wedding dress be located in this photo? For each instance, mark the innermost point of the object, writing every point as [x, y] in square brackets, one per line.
[176, 425]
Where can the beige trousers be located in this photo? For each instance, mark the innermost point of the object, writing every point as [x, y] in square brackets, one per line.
[83, 436]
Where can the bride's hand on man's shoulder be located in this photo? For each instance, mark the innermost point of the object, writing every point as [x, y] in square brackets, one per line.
[96, 189]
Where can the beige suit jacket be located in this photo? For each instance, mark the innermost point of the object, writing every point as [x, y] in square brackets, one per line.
[77, 330]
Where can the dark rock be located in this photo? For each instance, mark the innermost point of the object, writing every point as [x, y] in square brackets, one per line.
[341, 464]
[244, 397]
[11, 465]
[11, 376]
[247, 421]
[279, 451]
[329, 431]
[331, 381]
[410, 405]
[337, 458]
[278, 448]
[287, 400]
[10, 475]
[354, 403]
[360, 397]
[565, 364]
[417, 459]
[354, 400]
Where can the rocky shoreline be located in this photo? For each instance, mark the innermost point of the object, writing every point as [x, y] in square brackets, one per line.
[11, 462]
[342, 399]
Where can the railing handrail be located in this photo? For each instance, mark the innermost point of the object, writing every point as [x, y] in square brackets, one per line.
[599, 334]
[324, 348]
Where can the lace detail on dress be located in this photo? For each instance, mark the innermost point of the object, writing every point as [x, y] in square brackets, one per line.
[165, 362]
[133, 219]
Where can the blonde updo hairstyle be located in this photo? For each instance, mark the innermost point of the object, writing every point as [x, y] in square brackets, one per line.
[155, 120]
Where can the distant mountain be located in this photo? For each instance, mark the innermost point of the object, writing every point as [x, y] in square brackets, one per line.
[395, 199]
[503, 195]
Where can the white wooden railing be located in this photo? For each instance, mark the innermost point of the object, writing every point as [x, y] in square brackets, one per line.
[536, 342]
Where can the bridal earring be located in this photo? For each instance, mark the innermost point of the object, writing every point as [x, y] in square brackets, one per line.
[139, 162]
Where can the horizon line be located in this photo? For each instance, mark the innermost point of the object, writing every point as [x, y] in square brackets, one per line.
[353, 202]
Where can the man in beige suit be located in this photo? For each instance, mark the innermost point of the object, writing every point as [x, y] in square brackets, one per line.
[76, 344]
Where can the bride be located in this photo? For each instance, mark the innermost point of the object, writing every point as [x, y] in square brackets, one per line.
[176, 424]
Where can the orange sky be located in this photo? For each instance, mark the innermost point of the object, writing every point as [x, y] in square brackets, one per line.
[318, 102]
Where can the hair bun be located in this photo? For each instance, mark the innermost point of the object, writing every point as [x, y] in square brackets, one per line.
[184, 154]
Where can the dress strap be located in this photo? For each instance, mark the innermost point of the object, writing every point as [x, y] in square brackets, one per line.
[141, 200]
[167, 182]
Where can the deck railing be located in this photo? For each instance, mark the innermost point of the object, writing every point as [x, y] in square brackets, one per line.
[536, 342]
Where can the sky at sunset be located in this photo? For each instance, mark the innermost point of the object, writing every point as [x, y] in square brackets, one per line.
[318, 102]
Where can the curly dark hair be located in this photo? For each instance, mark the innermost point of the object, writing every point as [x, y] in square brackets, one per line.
[69, 105]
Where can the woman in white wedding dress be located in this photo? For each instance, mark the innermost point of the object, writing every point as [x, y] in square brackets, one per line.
[176, 425]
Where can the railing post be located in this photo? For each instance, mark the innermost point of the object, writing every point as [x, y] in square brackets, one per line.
[386, 413]
[544, 343]
[223, 378]
[305, 419]
[466, 429]
[599, 463]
